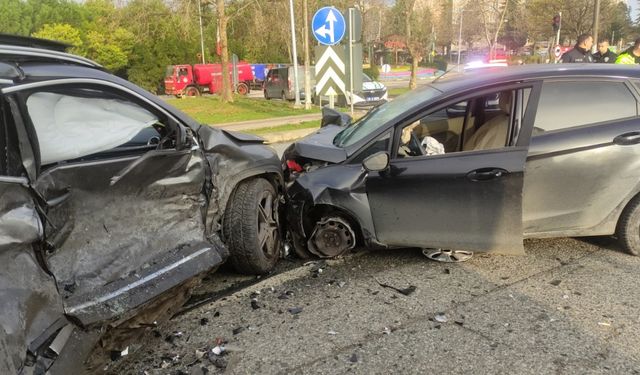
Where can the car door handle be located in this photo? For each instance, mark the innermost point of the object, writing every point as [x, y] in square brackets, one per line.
[484, 174]
[631, 138]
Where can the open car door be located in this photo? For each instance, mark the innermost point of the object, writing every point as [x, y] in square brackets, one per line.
[468, 198]
[122, 190]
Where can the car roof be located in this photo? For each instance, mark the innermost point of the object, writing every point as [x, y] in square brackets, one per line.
[535, 72]
[19, 49]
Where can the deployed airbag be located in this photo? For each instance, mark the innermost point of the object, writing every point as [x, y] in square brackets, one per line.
[70, 127]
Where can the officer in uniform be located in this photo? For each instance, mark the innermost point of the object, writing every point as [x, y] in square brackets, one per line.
[604, 55]
[581, 52]
[631, 55]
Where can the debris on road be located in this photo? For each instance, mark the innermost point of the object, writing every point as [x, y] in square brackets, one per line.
[555, 282]
[237, 330]
[332, 332]
[604, 324]
[254, 301]
[386, 331]
[441, 318]
[353, 358]
[405, 291]
[295, 310]
[285, 295]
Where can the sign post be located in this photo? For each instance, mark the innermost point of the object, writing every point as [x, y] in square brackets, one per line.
[328, 27]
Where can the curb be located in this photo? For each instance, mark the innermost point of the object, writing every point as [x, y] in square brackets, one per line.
[288, 136]
[268, 122]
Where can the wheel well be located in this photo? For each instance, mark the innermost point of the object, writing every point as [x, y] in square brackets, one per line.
[319, 211]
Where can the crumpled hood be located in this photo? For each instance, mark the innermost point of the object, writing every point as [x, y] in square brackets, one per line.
[318, 146]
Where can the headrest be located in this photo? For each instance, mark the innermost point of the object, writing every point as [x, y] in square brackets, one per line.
[504, 101]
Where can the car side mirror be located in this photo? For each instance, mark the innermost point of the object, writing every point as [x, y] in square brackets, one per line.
[377, 162]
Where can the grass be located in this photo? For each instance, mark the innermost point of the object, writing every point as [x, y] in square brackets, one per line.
[210, 109]
[396, 91]
[285, 128]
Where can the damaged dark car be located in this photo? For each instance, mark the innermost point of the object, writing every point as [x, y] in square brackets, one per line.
[475, 164]
[113, 205]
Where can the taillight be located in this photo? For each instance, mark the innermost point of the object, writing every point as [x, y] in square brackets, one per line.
[294, 166]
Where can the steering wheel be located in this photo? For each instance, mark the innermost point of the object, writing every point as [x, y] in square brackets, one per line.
[415, 147]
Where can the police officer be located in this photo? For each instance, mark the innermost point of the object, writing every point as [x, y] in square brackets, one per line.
[631, 55]
[604, 55]
[580, 53]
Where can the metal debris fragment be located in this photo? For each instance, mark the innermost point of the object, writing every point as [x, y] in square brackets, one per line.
[405, 291]
[295, 310]
[441, 318]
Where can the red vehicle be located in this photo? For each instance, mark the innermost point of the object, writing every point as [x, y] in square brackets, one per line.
[194, 80]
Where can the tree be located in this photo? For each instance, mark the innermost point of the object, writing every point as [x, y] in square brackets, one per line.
[62, 32]
[416, 34]
[224, 58]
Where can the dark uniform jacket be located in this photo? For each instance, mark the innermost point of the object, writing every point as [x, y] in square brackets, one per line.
[607, 57]
[577, 55]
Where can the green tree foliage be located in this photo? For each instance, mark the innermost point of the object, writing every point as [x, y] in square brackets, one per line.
[62, 32]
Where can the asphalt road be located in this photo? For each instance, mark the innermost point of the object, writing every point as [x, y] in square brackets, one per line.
[568, 306]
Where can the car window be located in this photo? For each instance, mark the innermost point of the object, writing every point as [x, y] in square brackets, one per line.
[483, 122]
[382, 114]
[567, 104]
[73, 123]
[380, 144]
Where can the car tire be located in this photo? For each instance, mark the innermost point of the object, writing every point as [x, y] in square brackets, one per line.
[192, 91]
[243, 89]
[628, 230]
[250, 227]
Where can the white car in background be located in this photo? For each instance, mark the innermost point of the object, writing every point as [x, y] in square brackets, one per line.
[372, 94]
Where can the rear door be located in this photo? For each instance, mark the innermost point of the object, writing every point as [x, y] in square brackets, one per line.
[463, 199]
[122, 183]
[583, 159]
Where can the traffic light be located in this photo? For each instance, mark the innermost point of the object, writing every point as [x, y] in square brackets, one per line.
[556, 23]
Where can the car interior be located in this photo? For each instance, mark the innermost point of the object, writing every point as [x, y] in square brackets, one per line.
[480, 123]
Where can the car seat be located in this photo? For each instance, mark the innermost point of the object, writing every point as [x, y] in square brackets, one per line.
[493, 133]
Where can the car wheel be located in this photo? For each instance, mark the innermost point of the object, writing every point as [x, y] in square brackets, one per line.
[628, 230]
[251, 229]
[243, 89]
[192, 91]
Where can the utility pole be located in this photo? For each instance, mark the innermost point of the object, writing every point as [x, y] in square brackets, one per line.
[295, 56]
[596, 24]
[559, 28]
[460, 39]
[201, 34]
[307, 73]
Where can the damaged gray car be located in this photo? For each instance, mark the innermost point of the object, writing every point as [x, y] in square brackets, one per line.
[475, 164]
[113, 205]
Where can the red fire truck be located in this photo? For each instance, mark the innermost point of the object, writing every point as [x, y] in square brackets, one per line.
[194, 80]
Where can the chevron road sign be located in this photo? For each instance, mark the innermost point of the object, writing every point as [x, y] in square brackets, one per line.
[330, 70]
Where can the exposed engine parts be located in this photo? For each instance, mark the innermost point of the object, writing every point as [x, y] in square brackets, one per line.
[331, 237]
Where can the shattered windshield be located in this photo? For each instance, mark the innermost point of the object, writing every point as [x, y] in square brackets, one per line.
[381, 115]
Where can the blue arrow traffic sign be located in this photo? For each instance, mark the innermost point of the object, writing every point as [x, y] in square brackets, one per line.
[328, 26]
